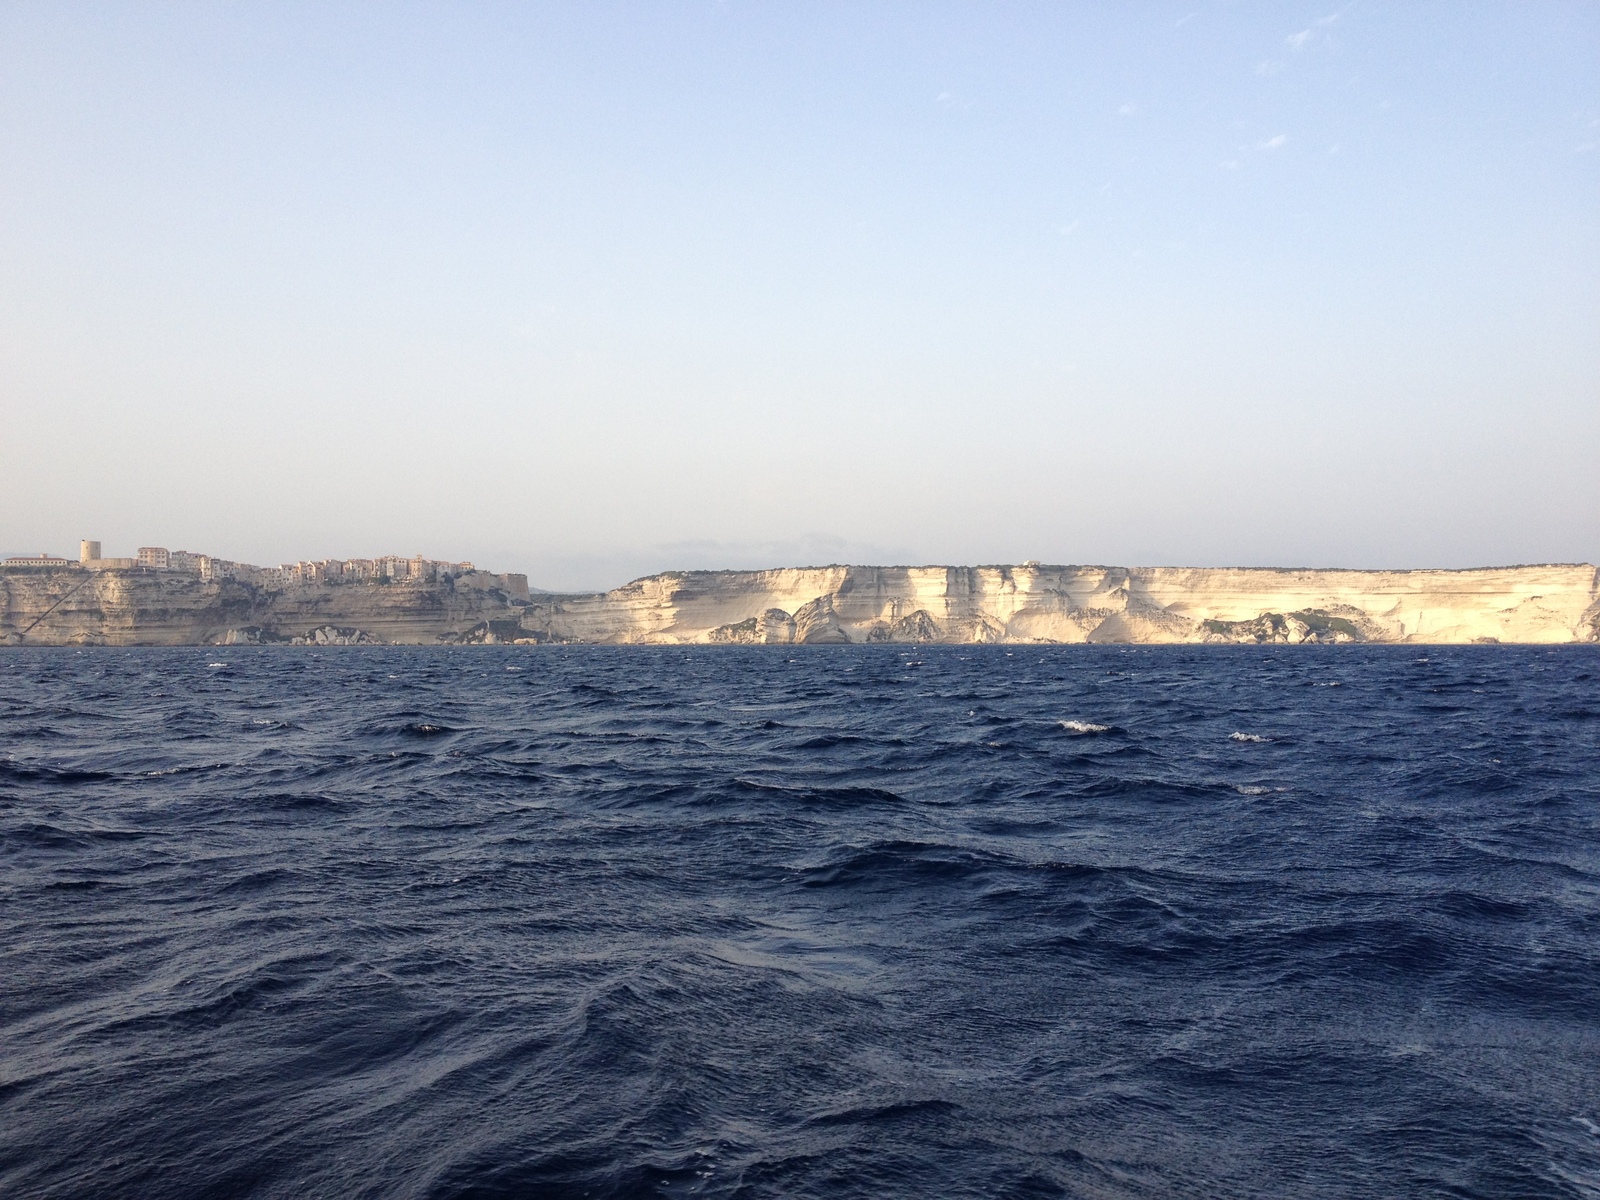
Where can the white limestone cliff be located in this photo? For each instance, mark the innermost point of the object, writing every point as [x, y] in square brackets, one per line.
[814, 605]
[1069, 604]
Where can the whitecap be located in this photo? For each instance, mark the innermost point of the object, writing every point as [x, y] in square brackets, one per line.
[216, 664]
[1083, 728]
[1247, 737]
[1246, 789]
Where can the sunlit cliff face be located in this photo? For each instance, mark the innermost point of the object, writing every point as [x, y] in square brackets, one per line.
[1086, 604]
[839, 604]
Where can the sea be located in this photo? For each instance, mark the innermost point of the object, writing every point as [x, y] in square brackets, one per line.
[833, 921]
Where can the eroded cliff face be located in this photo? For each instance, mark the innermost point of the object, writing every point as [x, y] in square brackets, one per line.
[1083, 604]
[1067, 604]
[165, 608]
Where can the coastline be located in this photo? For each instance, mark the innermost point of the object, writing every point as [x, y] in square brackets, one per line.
[1028, 604]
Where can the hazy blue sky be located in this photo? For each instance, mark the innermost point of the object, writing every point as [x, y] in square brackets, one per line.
[593, 290]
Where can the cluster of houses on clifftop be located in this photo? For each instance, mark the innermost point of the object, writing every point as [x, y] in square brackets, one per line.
[388, 569]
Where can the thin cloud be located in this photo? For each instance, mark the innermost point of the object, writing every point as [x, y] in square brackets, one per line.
[1274, 143]
[1127, 110]
[1297, 41]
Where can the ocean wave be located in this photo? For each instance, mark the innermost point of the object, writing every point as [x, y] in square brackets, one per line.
[889, 863]
[12, 770]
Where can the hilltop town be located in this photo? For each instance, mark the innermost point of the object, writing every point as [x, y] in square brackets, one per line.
[177, 597]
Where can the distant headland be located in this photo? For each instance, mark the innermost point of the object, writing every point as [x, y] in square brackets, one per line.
[162, 597]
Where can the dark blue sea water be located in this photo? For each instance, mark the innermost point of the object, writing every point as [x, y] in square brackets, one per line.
[853, 921]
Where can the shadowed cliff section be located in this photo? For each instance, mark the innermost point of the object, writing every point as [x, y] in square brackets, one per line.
[135, 607]
[820, 605]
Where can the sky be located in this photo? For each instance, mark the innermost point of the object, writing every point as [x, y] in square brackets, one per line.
[596, 290]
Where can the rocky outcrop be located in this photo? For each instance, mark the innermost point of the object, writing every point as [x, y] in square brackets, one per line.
[330, 635]
[821, 605]
[772, 627]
